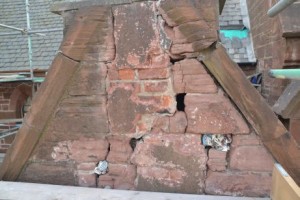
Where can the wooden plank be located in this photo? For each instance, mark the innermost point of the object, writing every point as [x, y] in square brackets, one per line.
[288, 104]
[42, 107]
[255, 109]
[283, 186]
[16, 190]
[295, 129]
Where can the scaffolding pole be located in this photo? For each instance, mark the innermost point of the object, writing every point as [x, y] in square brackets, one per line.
[29, 39]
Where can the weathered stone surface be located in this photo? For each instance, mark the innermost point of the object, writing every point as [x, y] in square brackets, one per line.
[246, 140]
[191, 67]
[90, 35]
[180, 12]
[238, 184]
[137, 38]
[195, 25]
[217, 160]
[120, 150]
[162, 73]
[81, 150]
[119, 176]
[86, 179]
[126, 108]
[194, 31]
[178, 122]
[202, 83]
[180, 168]
[59, 173]
[251, 158]
[190, 76]
[213, 113]
[81, 115]
[157, 86]
[89, 80]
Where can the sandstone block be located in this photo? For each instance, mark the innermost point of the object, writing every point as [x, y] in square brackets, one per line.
[90, 35]
[251, 158]
[246, 140]
[192, 67]
[89, 80]
[86, 180]
[213, 113]
[88, 150]
[136, 37]
[238, 184]
[119, 176]
[174, 169]
[59, 173]
[126, 108]
[120, 150]
[217, 160]
[201, 83]
[178, 122]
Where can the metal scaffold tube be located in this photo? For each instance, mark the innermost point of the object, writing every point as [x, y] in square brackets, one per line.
[280, 6]
[29, 39]
[285, 73]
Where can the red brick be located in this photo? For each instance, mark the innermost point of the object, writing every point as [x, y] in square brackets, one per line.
[161, 73]
[178, 122]
[126, 74]
[155, 86]
[213, 113]
[251, 158]
[238, 184]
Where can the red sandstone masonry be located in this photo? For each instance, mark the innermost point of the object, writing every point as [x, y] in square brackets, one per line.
[132, 95]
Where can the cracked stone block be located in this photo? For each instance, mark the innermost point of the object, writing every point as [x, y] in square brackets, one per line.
[170, 163]
[213, 113]
[137, 37]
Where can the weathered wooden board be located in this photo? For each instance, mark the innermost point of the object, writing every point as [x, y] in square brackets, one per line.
[43, 106]
[255, 109]
[288, 104]
[295, 129]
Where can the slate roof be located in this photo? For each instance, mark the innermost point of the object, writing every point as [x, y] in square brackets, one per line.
[14, 48]
[234, 32]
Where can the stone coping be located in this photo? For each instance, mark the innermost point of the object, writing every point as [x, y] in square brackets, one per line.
[59, 7]
[15, 190]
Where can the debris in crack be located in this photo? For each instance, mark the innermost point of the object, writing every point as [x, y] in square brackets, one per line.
[102, 168]
[134, 141]
[217, 141]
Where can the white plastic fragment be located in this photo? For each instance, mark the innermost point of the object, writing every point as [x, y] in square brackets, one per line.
[101, 168]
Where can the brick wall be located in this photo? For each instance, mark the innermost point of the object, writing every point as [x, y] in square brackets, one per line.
[269, 46]
[142, 102]
[12, 97]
